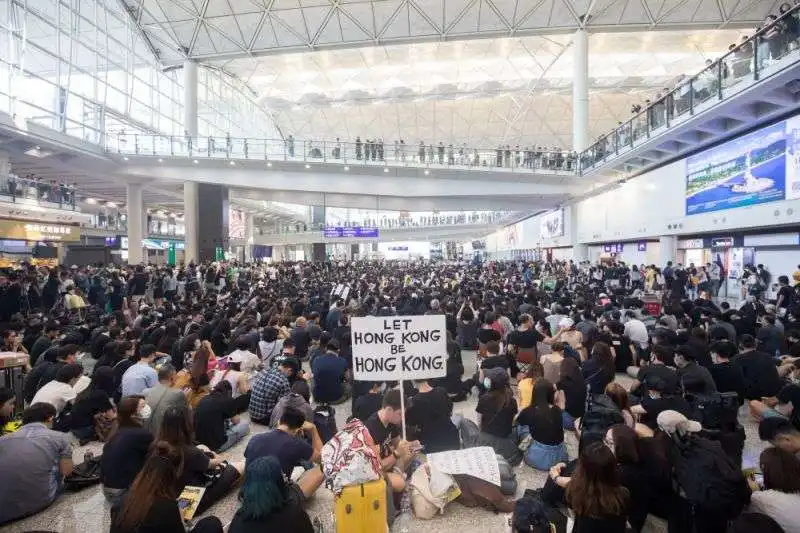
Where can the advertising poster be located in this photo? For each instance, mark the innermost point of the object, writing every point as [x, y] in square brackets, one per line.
[749, 170]
[552, 225]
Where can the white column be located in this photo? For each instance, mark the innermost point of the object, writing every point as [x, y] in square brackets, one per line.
[580, 91]
[580, 252]
[668, 248]
[191, 243]
[5, 170]
[248, 237]
[136, 218]
[190, 97]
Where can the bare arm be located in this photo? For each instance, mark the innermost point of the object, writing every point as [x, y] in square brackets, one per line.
[65, 467]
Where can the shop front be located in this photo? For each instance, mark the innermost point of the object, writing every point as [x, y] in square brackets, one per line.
[34, 242]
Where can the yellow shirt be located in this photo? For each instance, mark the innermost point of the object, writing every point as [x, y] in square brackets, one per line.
[525, 387]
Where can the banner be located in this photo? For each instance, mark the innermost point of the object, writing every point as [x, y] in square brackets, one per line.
[479, 462]
[399, 348]
[36, 231]
[552, 225]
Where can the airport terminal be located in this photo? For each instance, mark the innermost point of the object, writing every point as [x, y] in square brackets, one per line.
[377, 266]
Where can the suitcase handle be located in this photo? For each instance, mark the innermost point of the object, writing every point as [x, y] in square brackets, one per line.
[376, 505]
[348, 508]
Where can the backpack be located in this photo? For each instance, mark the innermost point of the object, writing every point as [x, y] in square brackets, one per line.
[469, 432]
[707, 478]
[533, 515]
[601, 413]
[717, 411]
[325, 420]
[508, 479]
[348, 460]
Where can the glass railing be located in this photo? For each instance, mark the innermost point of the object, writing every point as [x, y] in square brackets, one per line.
[769, 50]
[508, 158]
[37, 192]
[396, 223]
[113, 223]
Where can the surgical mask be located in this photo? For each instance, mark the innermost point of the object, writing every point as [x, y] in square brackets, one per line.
[383, 388]
[487, 383]
[145, 412]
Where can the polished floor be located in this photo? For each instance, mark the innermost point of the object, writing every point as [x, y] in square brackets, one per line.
[88, 512]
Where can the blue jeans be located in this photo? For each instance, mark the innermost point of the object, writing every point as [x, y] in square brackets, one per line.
[543, 457]
[235, 433]
[567, 421]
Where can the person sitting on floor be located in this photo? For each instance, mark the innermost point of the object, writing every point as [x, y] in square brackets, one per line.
[498, 408]
[216, 420]
[126, 449]
[543, 422]
[430, 412]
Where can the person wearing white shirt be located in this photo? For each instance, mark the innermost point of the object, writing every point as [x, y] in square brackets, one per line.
[780, 499]
[60, 391]
[636, 330]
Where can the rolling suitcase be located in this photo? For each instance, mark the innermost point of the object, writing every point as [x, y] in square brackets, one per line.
[13, 378]
[362, 508]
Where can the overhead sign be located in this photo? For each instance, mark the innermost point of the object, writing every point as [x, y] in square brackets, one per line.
[641, 247]
[613, 248]
[36, 231]
[722, 242]
[399, 348]
[332, 232]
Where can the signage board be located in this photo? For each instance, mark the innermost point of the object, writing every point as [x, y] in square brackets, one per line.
[334, 232]
[38, 231]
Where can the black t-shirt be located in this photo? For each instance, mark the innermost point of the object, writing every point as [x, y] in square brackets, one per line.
[545, 424]
[382, 435]
[497, 422]
[696, 379]
[195, 465]
[574, 396]
[123, 456]
[290, 519]
[729, 378]
[760, 374]
[525, 339]
[495, 361]
[787, 293]
[430, 412]
[651, 373]
[209, 419]
[288, 449]
[301, 340]
[622, 348]
[85, 407]
[367, 405]
[162, 517]
[487, 334]
[791, 393]
[655, 406]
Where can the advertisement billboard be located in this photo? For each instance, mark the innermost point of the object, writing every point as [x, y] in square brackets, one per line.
[753, 169]
[552, 225]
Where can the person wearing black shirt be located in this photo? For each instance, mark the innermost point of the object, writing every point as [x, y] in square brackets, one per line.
[44, 342]
[785, 296]
[543, 420]
[657, 401]
[523, 342]
[93, 401]
[693, 378]
[384, 430]
[598, 370]
[212, 416]
[727, 376]
[493, 359]
[430, 413]
[760, 373]
[657, 369]
[571, 395]
[125, 450]
[770, 336]
[366, 404]
[498, 408]
[301, 339]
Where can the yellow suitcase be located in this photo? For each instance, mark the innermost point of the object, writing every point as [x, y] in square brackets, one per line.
[362, 508]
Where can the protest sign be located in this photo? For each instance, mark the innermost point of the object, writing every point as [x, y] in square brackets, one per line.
[399, 348]
[479, 462]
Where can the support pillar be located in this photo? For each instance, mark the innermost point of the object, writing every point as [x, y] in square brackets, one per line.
[248, 237]
[136, 218]
[212, 226]
[580, 91]
[5, 170]
[668, 249]
[190, 249]
[190, 98]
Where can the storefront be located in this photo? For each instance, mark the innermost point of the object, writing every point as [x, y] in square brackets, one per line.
[631, 253]
[34, 242]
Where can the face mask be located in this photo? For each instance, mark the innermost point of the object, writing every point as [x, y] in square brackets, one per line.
[383, 388]
[145, 412]
[487, 383]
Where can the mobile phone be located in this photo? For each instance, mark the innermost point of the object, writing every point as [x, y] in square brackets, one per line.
[759, 479]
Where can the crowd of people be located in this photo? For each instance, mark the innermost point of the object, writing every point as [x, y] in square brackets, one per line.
[172, 367]
[33, 187]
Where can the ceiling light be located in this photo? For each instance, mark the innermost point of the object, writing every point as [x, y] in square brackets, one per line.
[386, 169]
[427, 172]
[91, 201]
[308, 166]
[125, 158]
[195, 161]
[269, 164]
[233, 163]
[111, 204]
[160, 160]
[346, 169]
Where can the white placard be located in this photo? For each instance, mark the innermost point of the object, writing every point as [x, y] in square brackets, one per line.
[479, 462]
[397, 348]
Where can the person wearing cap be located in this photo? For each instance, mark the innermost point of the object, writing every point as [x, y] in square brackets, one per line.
[674, 423]
[497, 409]
[248, 361]
[331, 376]
[659, 399]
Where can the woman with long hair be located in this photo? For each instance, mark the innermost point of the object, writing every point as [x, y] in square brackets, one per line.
[780, 497]
[267, 502]
[200, 466]
[619, 396]
[151, 505]
[125, 450]
[525, 386]
[542, 421]
[571, 393]
[196, 380]
[498, 408]
[92, 410]
[599, 369]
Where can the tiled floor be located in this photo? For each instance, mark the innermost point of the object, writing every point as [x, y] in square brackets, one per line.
[88, 512]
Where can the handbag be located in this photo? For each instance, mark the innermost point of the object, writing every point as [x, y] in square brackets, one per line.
[83, 475]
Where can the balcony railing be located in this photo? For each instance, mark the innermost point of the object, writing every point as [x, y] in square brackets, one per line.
[36, 192]
[512, 159]
[769, 50]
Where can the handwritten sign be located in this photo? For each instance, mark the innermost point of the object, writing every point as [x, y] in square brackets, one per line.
[399, 348]
[479, 462]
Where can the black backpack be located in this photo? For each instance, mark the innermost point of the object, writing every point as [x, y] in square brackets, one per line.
[533, 515]
[707, 478]
[601, 413]
[325, 420]
[718, 411]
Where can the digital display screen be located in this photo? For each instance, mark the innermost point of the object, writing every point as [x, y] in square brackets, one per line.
[332, 232]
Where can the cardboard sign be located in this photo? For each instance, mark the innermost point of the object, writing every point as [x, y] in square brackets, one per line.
[399, 347]
[479, 462]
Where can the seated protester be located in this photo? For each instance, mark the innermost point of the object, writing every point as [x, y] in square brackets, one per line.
[727, 376]
[657, 369]
[269, 345]
[522, 343]
[330, 376]
[140, 376]
[619, 396]
[770, 336]
[493, 359]
[599, 369]
[93, 413]
[456, 389]
[761, 379]
[238, 380]
[60, 391]
[430, 413]
[287, 443]
[216, 421]
[298, 398]
[525, 386]
[7, 401]
[780, 433]
[624, 350]
[195, 382]
[490, 331]
[198, 461]
[660, 398]
[467, 326]
[498, 408]
[113, 353]
[151, 505]
[269, 386]
[551, 363]
[595, 492]
[754, 523]
[47, 369]
[786, 404]
[319, 347]
[384, 430]
[162, 397]
[268, 501]
[34, 461]
[45, 340]
[126, 448]
[543, 422]
[780, 497]
[367, 404]
[571, 393]
[301, 339]
[693, 378]
[249, 361]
